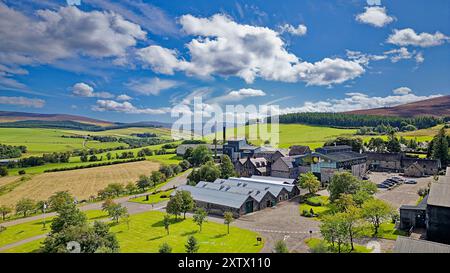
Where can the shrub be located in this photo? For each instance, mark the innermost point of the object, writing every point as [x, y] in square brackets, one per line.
[22, 172]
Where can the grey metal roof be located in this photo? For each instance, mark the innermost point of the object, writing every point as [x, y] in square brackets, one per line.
[257, 194]
[343, 156]
[288, 187]
[223, 198]
[408, 245]
[337, 147]
[440, 192]
[280, 180]
[274, 189]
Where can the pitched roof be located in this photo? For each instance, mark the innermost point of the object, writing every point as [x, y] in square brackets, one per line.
[416, 165]
[343, 156]
[298, 150]
[272, 179]
[274, 189]
[227, 199]
[257, 194]
[440, 192]
[408, 245]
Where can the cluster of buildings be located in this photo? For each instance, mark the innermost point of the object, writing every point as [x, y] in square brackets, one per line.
[433, 213]
[241, 195]
[267, 175]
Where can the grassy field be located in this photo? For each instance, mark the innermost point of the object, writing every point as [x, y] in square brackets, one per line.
[26, 230]
[39, 141]
[153, 198]
[313, 242]
[294, 134]
[146, 233]
[81, 183]
[125, 132]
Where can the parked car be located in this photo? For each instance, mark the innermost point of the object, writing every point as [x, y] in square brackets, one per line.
[410, 181]
[382, 186]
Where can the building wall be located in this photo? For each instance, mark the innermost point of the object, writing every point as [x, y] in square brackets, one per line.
[359, 170]
[263, 202]
[408, 218]
[413, 172]
[438, 224]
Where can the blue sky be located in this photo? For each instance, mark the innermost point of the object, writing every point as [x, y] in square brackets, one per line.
[133, 60]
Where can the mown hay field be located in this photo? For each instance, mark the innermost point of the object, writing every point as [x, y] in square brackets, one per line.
[81, 183]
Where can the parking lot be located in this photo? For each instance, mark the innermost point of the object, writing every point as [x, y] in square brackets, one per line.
[405, 194]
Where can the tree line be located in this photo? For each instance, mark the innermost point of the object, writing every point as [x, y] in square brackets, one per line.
[355, 121]
[9, 151]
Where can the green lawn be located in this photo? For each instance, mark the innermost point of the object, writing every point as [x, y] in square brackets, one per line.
[30, 229]
[386, 231]
[147, 233]
[344, 248]
[321, 210]
[153, 198]
[26, 248]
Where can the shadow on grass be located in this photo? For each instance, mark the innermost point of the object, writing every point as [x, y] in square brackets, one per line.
[187, 233]
[172, 221]
[156, 237]
[219, 236]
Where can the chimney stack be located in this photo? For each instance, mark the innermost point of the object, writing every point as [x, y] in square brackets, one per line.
[224, 134]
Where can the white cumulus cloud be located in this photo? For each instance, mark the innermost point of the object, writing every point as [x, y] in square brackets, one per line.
[408, 37]
[82, 89]
[225, 48]
[127, 107]
[402, 91]
[375, 16]
[237, 95]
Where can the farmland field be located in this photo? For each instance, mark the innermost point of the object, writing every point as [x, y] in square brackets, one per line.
[39, 141]
[296, 134]
[124, 132]
[81, 183]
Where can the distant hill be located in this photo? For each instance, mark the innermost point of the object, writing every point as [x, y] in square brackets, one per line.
[62, 121]
[437, 107]
[6, 117]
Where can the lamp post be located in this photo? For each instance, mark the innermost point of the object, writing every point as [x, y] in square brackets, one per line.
[44, 207]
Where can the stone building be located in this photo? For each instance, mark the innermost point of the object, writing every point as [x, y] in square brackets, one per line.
[399, 162]
[252, 166]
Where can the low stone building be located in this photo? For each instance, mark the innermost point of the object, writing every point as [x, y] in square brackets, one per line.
[219, 202]
[399, 162]
[240, 195]
[414, 170]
